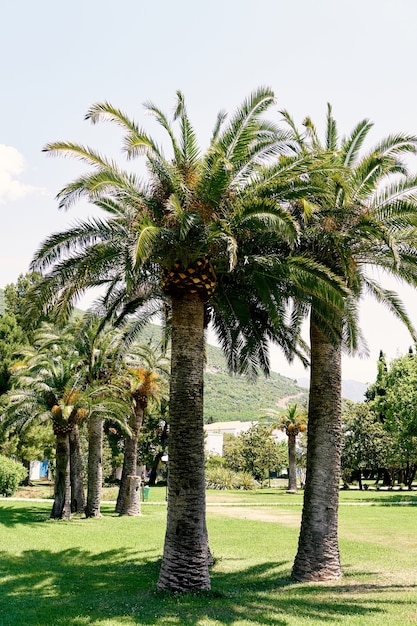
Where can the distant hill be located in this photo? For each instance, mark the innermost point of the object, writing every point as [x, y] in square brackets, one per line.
[351, 389]
[229, 398]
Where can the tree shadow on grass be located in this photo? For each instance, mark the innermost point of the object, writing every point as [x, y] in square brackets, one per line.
[77, 588]
[14, 513]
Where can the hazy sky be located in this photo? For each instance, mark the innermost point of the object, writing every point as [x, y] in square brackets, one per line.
[58, 58]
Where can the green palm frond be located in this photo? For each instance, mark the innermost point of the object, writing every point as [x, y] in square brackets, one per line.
[189, 146]
[351, 146]
[331, 130]
[146, 237]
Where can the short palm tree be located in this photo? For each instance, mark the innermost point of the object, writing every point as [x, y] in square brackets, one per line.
[292, 422]
[49, 387]
[184, 241]
[363, 215]
[146, 378]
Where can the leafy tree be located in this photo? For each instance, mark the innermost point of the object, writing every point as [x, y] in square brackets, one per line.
[17, 299]
[255, 452]
[12, 339]
[189, 240]
[359, 215]
[366, 445]
[397, 408]
[11, 474]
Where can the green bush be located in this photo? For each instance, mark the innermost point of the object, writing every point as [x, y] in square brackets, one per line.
[11, 474]
[224, 478]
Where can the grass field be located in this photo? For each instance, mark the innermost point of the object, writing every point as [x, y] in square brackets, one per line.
[103, 572]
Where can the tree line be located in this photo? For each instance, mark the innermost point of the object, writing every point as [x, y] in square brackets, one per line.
[380, 434]
[268, 226]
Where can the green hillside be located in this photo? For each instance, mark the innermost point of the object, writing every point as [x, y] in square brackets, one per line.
[229, 398]
[1, 301]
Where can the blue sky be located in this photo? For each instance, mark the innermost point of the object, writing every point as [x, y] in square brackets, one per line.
[58, 58]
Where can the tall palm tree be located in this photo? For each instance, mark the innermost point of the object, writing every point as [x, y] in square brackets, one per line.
[174, 243]
[361, 216]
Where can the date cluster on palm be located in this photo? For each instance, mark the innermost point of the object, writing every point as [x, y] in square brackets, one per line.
[198, 278]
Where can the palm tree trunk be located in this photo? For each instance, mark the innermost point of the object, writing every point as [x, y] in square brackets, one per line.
[61, 508]
[292, 465]
[95, 468]
[318, 550]
[76, 472]
[185, 561]
[124, 500]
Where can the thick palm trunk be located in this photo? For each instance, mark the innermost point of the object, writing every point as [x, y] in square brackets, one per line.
[95, 468]
[292, 465]
[61, 508]
[76, 472]
[186, 557]
[124, 501]
[318, 550]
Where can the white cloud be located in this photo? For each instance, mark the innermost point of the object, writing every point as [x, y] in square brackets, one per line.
[12, 165]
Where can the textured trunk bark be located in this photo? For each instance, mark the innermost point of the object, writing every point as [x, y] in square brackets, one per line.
[185, 561]
[132, 500]
[61, 508]
[292, 465]
[95, 468]
[129, 463]
[76, 472]
[318, 550]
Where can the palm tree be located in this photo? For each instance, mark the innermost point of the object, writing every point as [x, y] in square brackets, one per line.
[54, 382]
[48, 387]
[145, 378]
[361, 216]
[292, 422]
[184, 242]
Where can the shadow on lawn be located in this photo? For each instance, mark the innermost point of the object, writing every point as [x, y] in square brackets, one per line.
[75, 588]
[13, 513]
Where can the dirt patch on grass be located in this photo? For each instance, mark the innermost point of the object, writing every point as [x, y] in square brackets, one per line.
[278, 516]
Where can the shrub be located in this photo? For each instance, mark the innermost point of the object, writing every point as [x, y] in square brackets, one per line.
[224, 478]
[11, 474]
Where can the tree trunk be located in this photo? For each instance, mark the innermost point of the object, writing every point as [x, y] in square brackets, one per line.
[61, 508]
[292, 464]
[154, 469]
[76, 472]
[185, 561]
[131, 505]
[95, 468]
[129, 461]
[318, 550]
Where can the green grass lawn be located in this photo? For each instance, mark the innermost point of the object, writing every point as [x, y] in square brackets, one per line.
[104, 571]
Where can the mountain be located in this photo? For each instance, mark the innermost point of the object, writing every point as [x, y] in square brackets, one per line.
[230, 398]
[351, 389]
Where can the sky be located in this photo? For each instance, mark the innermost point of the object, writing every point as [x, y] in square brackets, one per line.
[59, 58]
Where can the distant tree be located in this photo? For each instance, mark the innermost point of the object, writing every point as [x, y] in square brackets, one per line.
[17, 298]
[397, 409]
[255, 452]
[146, 379]
[12, 338]
[366, 444]
[292, 422]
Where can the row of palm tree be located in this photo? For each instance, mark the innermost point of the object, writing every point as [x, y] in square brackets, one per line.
[81, 376]
[268, 226]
